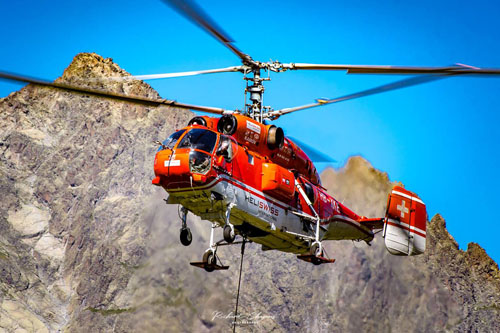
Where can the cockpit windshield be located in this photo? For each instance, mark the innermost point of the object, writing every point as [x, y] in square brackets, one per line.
[172, 140]
[199, 139]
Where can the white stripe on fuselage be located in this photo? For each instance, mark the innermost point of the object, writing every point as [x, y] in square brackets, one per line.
[408, 226]
[222, 176]
[408, 196]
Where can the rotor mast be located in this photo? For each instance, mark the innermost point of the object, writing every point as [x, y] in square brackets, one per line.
[255, 92]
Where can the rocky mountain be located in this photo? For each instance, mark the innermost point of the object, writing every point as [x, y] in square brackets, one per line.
[88, 245]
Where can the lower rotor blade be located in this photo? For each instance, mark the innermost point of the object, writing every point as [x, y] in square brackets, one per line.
[313, 154]
[109, 94]
[377, 90]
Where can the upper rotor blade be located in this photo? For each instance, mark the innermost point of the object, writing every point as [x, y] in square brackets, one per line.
[386, 87]
[193, 12]
[181, 74]
[109, 94]
[458, 69]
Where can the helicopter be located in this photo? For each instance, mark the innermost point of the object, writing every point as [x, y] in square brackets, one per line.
[247, 177]
[251, 180]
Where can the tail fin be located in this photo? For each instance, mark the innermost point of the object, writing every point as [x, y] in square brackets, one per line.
[405, 223]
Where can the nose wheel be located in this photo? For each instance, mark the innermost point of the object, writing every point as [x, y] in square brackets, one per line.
[186, 237]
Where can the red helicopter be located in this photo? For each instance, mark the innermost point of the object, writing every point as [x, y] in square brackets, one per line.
[244, 175]
[251, 180]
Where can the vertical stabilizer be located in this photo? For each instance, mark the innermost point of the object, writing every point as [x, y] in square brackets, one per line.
[405, 223]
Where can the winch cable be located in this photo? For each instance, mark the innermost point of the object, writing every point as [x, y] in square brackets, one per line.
[239, 284]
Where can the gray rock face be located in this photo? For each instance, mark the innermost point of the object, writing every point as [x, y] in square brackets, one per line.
[87, 243]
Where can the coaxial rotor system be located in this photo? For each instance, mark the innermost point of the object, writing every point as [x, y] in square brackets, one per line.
[252, 70]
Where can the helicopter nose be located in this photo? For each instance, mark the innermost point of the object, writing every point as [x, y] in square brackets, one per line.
[160, 167]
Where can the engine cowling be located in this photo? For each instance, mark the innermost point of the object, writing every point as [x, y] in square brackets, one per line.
[275, 137]
[198, 121]
[228, 124]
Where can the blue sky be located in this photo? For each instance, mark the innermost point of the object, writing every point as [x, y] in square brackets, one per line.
[440, 139]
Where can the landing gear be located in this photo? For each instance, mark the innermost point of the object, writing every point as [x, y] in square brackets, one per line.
[315, 255]
[228, 233]
[186, 237]
[316, 249]
[316, 252]
[209, 260]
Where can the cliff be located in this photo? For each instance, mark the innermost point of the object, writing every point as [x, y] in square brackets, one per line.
[87, 243]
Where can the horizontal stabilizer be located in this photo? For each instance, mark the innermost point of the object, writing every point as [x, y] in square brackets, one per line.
[374, 223]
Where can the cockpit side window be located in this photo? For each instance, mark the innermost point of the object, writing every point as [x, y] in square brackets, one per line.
[199, 139]
[225, 148]
[316, 176]
[172, 140]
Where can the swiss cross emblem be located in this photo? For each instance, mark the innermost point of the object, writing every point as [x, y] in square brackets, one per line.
[404, 210]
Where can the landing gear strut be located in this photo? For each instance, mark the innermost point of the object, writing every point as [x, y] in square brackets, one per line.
[185, 236]
[315, 255]
[316, 252]
[228, 233]
[209, 257]
[209, 261]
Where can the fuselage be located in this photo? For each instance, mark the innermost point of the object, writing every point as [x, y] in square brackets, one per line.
[207, 172]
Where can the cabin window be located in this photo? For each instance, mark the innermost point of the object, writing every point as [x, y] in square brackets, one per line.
[199, 139]
[172, 140]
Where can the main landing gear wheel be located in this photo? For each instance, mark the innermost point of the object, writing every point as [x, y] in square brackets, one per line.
[316, 251]
[186, 237]
[209, 260]
[229, 234]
